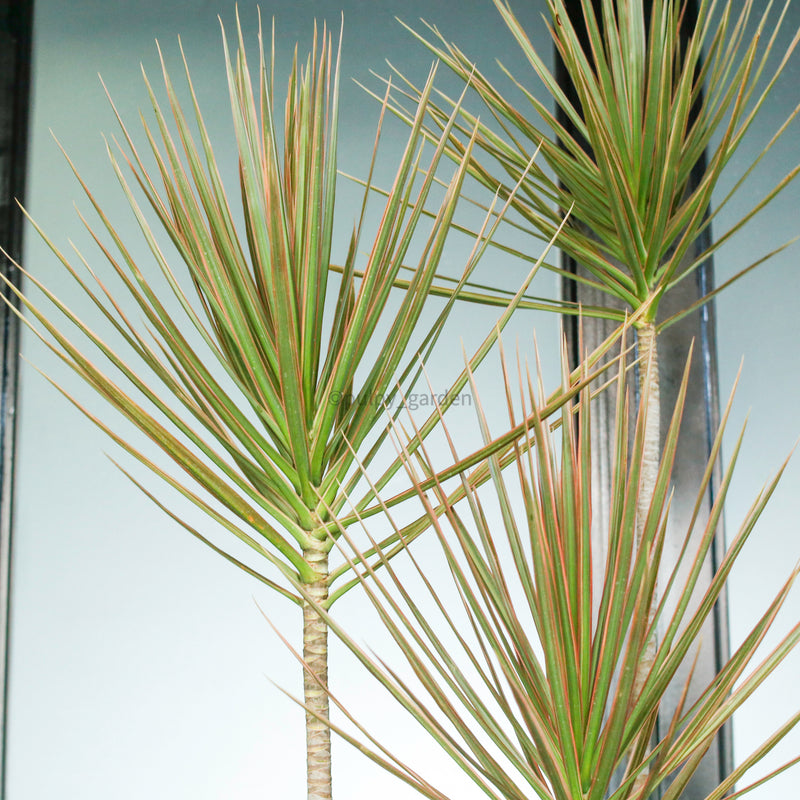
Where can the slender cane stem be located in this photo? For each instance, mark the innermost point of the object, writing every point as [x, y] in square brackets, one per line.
[315, 653]
[649, 393]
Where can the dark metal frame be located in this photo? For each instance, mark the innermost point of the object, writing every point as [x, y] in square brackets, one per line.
[16, 30]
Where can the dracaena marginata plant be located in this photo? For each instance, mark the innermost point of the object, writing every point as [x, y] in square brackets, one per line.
[656, 117]
[253, 362]
[521, 663]
[656, 111]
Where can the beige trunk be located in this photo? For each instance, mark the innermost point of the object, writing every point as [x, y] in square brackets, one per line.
[315, 653]
[649, 391]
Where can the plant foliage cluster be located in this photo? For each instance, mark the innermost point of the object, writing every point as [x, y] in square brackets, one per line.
[254, 374]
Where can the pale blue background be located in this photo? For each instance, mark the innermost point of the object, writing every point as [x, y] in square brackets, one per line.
[140, 664]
